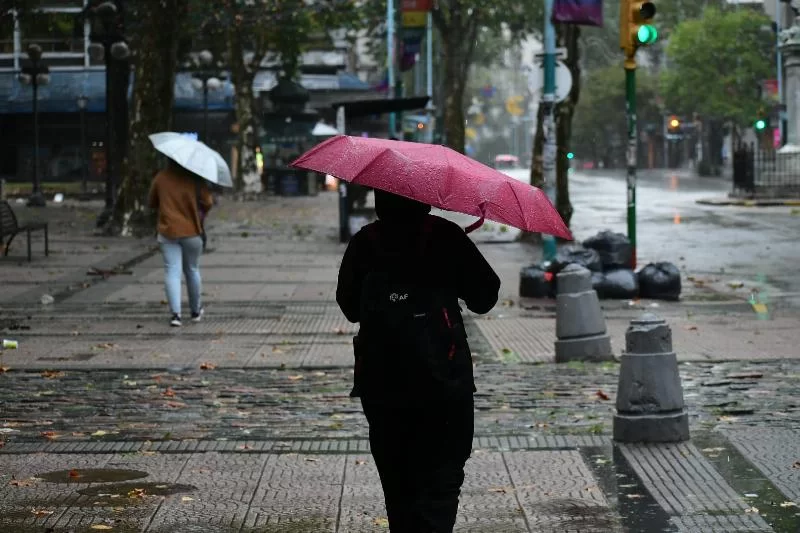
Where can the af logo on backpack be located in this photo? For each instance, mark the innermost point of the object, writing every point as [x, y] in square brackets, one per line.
[412, 341]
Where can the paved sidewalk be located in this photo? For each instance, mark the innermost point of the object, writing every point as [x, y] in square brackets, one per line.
[243, 423]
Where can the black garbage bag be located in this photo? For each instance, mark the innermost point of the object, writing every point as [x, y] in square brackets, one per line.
[614, 248]
[534, 282]
[660, 281]
[576, 255]
[618, 284]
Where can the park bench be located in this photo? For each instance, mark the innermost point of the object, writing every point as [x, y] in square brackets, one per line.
[10, 228]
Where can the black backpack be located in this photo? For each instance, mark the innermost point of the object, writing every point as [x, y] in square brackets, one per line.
[412, 345]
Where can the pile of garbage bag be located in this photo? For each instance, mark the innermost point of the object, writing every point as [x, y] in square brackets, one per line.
[608, 256]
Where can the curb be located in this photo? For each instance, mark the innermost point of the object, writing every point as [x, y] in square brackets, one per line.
[793, 202]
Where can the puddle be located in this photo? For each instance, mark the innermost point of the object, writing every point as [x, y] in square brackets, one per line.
[129, 493]
[92, 475]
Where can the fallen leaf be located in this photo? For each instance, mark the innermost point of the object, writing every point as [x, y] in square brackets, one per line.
[99, 433]
[275, 349]
[691, 328]
[101, 526]
[712, 450]
[796, 464]
[360, 462]
[168, 392]
[105, 346]
[339, 331]
[164, 302]
[136, 493]
[751, 510]
[207, 366]
[4, 369]
[788, 504]
[726, 418]
[602, 395]
[74, 473]
[502, 490]
[41, 512]
[187, 499]
[22, 482]
[634, 496]
[244, 447]
[382, 522]
[52, 374]
[50, 435]
[298, 377]
[312, 460]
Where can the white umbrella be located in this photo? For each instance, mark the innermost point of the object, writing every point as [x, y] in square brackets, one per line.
[323, 130]
[194, 156]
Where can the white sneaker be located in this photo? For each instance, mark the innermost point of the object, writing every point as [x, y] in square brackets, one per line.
[175, 321]
[196, 317]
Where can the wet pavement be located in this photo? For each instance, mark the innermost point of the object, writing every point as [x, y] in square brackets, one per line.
[243, 422]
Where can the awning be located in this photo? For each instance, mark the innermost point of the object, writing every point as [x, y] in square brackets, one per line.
[364, 108]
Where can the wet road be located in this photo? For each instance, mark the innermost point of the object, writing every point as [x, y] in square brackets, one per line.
[757, 245]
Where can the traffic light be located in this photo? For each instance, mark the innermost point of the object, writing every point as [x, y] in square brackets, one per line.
[570, 155]
[760, 124]
[635, 26]
[674, 124]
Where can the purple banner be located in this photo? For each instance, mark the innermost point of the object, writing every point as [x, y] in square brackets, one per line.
[579, 12]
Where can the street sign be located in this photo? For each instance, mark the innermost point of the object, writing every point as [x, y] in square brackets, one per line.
[417, 5]
[563, 80]
[415, 19]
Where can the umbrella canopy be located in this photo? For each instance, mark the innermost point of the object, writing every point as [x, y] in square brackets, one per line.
[323, 130]
[437, 176]
[194, 156]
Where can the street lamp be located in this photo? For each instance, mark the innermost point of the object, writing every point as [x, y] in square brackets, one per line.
[107, 43]
[205, 77]
[34, 75]
[82, 102]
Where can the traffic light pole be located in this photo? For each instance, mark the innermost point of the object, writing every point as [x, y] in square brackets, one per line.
[630, 108]
[549, 122]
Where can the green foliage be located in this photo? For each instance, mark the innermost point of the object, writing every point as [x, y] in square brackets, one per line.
[716, 64]
[600, 125]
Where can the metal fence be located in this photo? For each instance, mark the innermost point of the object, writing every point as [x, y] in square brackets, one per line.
[765, 173]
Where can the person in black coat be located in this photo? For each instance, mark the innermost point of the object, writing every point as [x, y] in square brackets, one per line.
[420, 442]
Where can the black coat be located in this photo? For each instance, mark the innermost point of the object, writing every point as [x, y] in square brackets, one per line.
[451, 259]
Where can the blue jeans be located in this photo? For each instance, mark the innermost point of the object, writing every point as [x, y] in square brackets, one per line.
[182, 255]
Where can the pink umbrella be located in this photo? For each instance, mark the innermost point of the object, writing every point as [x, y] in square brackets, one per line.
[437, 176]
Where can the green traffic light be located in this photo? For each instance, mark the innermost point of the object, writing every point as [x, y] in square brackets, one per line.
[647, 34]
[761, 124]
[570, 155]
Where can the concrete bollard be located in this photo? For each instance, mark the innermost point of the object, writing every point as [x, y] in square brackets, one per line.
[580, 325]
[650, 404]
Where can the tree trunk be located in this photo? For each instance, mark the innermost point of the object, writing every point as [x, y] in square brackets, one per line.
[454, 86]
[568, 36]
[537, 171]
[153, 91]
[248, 179]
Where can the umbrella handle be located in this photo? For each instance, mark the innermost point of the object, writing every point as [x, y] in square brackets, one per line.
[475, 225]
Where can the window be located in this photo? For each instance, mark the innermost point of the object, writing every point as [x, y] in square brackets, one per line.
[6, 33]
[54, 32]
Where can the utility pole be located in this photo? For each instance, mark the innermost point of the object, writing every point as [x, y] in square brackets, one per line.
[390, 59]
[635, 30]
[549, 122]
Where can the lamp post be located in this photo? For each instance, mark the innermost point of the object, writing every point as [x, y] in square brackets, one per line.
[82, 102]
[107, 43]
[34, 75]
[205, 77]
